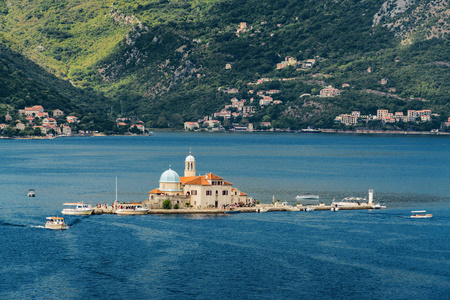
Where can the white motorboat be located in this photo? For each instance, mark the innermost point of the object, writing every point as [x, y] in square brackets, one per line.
[309, 208]
[131, 209]
[307, 196]
[77, 209]
[31, 193]
[263, 210]
[350, 201]
[379, 206]
[420, 214]
[55, 223]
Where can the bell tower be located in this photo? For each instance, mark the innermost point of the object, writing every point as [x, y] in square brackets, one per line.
[189, 166]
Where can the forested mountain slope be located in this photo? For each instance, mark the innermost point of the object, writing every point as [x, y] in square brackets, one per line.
[165, 61]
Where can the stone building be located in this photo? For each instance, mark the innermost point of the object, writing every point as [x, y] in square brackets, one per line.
[198, 191]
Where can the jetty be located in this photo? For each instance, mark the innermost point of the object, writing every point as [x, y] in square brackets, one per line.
[254, 209]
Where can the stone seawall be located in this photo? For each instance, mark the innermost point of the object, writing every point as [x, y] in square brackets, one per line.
[258, 208]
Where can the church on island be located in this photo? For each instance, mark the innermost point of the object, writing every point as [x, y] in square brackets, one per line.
[198, 191]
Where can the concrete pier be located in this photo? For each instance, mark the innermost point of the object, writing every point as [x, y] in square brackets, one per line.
[266, 207]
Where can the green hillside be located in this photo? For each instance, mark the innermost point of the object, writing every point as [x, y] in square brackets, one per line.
[164, 61]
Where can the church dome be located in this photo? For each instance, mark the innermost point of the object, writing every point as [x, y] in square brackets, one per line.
[169, 176]
[190, 158]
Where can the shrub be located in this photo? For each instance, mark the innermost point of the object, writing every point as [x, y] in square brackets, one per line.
[176, 206]
[167, 204]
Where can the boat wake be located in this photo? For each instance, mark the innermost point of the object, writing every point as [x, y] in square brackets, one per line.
[37, 226]
[76, 221]
[10, 224]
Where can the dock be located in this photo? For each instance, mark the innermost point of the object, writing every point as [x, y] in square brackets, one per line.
[255, 209]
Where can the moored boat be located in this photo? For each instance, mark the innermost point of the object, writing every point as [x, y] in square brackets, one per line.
[309, 208]
[420, 214]
[232, 211]
[131, 209]
[56, 223]
[77, 209]
[351, 201]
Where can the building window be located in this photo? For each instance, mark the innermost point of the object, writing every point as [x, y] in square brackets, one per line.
[208, 193]
[224, 193]
[194, 192]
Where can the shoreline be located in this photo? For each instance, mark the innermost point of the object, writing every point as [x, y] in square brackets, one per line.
[320, 131]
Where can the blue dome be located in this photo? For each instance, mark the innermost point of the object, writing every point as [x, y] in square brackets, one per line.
[169, 176]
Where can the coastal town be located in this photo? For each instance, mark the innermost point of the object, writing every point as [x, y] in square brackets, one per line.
[241, 109]
[36, 121]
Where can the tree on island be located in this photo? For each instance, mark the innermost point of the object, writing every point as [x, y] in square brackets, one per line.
[167, 204]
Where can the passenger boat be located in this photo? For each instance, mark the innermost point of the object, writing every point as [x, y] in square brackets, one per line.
[307, 196]
[77, 209]
[31, 193]
[420, 214]
[55, 223]
[131, 209]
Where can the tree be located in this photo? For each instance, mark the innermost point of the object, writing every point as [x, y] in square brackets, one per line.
[167, 204]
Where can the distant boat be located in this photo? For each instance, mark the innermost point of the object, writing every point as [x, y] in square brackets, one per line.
[31, 193]
[307, 196]
[78, 209]
[263, 210]
[309, 208]
[420, 214]
[232, 211]
[310, 130]
[55, 223]
[379, 206]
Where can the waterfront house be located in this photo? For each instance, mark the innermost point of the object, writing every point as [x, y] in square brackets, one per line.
[191, 125]
[66, 130]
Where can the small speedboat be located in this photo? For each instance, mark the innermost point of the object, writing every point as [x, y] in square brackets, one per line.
[420, 214]
[31, 193]
[309, 208]
[77, 209]
[55, 223]
[232, 211]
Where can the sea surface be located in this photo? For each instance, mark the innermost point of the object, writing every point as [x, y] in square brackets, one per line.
[366, 254]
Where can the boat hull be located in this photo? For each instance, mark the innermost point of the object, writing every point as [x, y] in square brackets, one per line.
[56, 226]
[76, 212]
[131, 212]
[423, 217]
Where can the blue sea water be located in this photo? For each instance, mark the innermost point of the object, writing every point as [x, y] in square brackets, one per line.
[378, 254]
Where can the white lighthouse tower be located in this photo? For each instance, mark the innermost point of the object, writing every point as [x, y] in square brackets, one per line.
[370, 197]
